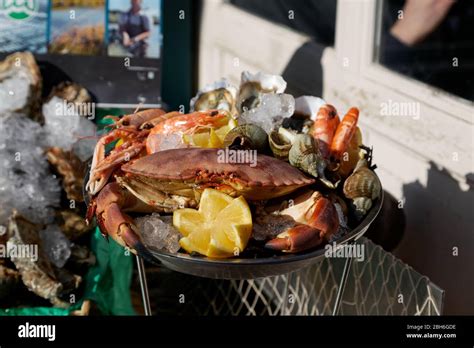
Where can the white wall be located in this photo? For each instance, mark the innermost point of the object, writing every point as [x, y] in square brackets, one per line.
[423, 162]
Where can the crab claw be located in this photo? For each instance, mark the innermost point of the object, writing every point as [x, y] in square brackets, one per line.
[317, 220]
[107, 208]
[295, 239]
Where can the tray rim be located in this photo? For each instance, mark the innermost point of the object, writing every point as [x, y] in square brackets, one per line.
[354, 234]
[314, 254]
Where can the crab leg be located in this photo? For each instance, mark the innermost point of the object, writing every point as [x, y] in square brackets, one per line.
[98, 179]
[137, 119]
[108, 208]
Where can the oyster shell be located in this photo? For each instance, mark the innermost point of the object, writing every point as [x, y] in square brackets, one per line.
[37, 275]
[252, 86]
[220, 95]
[20, 85]
[308, 106]
[72, 93]
[71, 170]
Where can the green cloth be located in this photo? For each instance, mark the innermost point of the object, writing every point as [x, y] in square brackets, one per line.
[108, 282]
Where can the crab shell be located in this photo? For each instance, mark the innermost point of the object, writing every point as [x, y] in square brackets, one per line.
[187, 172]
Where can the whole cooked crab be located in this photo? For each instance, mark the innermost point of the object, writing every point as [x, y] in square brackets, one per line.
[163, 181]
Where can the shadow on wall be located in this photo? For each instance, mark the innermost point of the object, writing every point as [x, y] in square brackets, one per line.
[439, 238]
[309, 79]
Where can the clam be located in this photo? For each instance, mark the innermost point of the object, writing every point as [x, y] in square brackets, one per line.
[220, 95]
[280, 142]
[247, 137]
[362, 187]
[305, 155]
[252, 86]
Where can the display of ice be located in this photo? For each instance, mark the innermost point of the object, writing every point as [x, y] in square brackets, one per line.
[271, 111]
[158, 233]
[63, 127]
[56, 245]
[25, 180]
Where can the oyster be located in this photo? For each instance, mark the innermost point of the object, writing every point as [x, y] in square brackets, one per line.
[39, 275]
[72, 93]
[252, 86]
[308, 106]
[71, 170]
[73, 225]
[220, 95]
[20, 85]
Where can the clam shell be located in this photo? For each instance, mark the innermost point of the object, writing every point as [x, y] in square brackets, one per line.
[247, 136]
[220, 95]
[308, 106]
[362, 183]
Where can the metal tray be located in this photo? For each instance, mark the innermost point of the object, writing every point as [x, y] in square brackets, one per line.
[249, 268]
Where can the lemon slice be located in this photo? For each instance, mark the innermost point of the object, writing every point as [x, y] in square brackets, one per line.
[210, 138]
[212, 203]
[220, 228]
[198, 242]
[188, 220]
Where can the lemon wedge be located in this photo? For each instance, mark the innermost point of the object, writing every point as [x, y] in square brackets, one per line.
[220, 228]
[210, 138]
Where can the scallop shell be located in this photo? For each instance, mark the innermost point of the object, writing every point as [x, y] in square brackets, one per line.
[220, 95]
[308, 106]
[252, 86]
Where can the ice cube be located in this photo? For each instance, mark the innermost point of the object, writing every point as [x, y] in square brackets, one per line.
[26, 183]
[14, 93]
[56, 245]
[84, 148]
[65, 127]
[158, 233]
[271, 111]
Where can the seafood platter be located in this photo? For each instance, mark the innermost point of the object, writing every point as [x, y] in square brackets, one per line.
[252, 182]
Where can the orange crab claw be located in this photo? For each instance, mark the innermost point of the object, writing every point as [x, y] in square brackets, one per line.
[107, 208]
[318, 221]
[295, 239]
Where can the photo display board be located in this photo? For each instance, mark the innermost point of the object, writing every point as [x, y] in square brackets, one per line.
[112, 47]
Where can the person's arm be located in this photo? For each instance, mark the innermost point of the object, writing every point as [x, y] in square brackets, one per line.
[123, 30]
[420, 18]
[146, 30]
